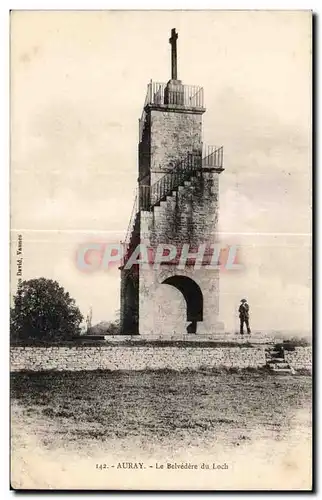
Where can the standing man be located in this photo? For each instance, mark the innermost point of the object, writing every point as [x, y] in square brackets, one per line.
[244, 316]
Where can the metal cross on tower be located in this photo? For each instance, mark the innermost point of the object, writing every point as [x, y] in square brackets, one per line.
[173, 42]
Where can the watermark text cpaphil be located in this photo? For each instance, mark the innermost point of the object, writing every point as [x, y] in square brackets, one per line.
[95, 256]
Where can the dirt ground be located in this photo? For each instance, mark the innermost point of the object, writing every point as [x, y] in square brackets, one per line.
[74, 421]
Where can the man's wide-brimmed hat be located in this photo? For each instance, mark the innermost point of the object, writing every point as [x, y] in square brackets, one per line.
[243, 300]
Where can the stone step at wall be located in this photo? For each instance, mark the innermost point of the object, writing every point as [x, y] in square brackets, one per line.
[278, 366]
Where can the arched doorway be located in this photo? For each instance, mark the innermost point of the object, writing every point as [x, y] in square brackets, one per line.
[193, 297]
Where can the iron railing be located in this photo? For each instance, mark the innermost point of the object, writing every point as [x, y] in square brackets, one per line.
[178, 94]
[181, 172]
[184, 170]
[149, 196]
[130, 227]
[213, 157]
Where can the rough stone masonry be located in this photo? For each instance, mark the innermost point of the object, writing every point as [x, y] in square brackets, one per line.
[153, 358]
[177, 203]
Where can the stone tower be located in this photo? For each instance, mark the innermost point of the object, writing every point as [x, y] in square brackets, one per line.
[176, 204]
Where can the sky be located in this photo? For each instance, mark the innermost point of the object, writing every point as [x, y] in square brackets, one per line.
[78, 84]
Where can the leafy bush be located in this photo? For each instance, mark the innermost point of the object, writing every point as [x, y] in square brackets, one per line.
[43, 310]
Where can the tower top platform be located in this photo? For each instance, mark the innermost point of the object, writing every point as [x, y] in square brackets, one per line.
[172, 96]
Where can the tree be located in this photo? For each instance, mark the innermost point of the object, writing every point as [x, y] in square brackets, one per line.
[43, 310]
[105, 328]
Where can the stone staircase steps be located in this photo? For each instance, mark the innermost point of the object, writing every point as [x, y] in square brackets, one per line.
[284, 370]
[170, 199]
[278, 366]
[275, 361]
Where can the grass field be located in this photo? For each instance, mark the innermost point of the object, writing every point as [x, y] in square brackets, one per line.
[157, 412]
[103, 405]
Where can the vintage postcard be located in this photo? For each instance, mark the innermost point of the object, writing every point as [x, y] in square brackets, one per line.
[161, 175]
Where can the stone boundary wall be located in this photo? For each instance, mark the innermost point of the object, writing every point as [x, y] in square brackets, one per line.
[300, 358]
[140, 358]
